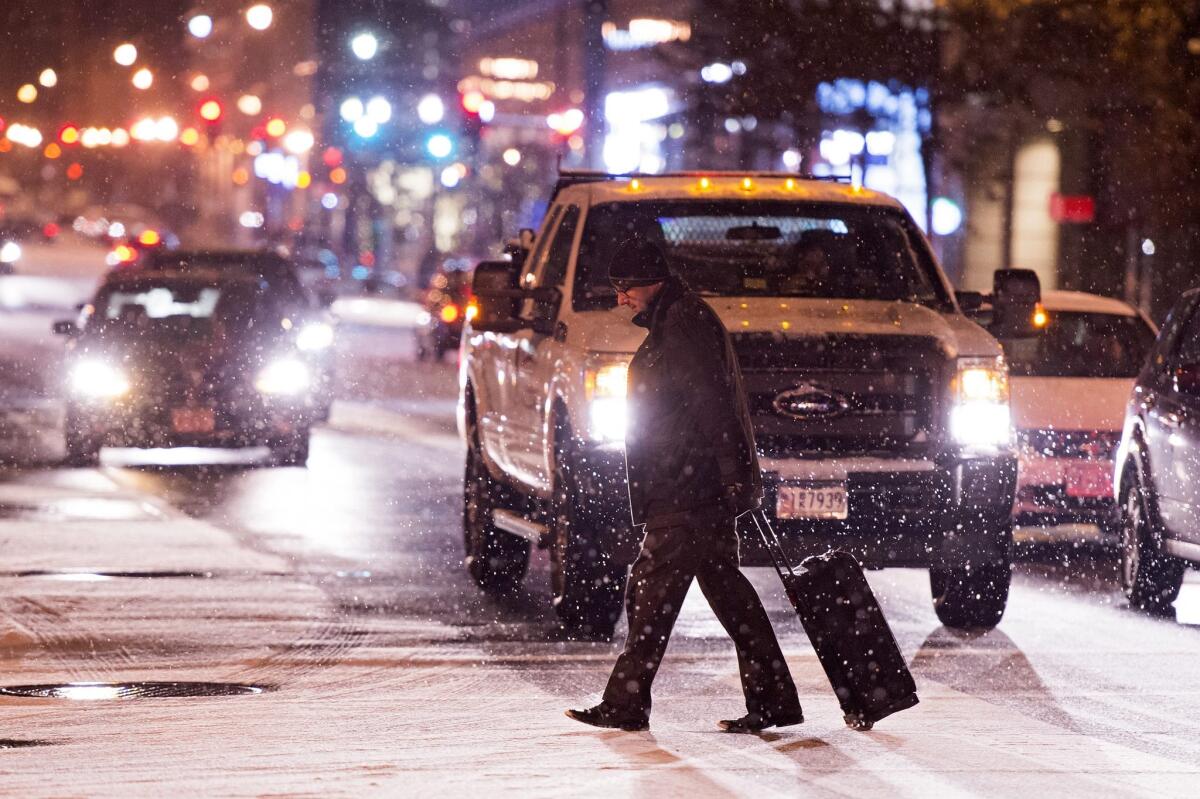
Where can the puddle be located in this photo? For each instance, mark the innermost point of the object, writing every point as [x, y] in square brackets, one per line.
[92, 691]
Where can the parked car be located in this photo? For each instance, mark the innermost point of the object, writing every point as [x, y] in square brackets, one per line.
[446, 305]
[1158, 464]
[1071, 369]
[199, 357]
[880, 411]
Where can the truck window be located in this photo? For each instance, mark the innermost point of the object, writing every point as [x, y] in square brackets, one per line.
[748, 248]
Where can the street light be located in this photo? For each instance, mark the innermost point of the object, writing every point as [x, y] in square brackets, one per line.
[259, 16]
[379, 109]
[366, 127]
[48, 78]
[431, 109]
[352, 109]
[125, 54]
[27, 93]
[200, 26]
[364, 46]
[143, 78]
[439, 145]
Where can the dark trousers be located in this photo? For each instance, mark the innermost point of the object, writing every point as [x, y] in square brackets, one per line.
[703, 547]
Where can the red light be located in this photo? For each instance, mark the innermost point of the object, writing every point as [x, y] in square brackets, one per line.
[472, 101]
[449, 313]
[68, 134]
[332, 157]
[75, 171]
[50, 230]
[2, 124]
[210, 110]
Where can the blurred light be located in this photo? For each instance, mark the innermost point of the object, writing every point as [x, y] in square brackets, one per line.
[249, 104]
[716, 73]
[1040, 318]
[251, 219]
[303, 180]
[241, 176]
[166, 129]
[120, 137]
[50, 230]
[298, 141]
[27, 93]
[276, 127]
[48, 78]
[149, 238]
[525, 91]
[947, 216]
[352, 109]
[1148, 247]
[277, 168]
[254, 148]
[98, 380]
[472, 101]
[314, 336]
[200, 26]
[143, 79]
[364, 46]
[10, 252]
[199, 83]
[68, 134]
[881, 142]
[52, 150]
[643, 33]
[337, 176]
[851, 140]
[739, 67]
[733, 125]
[125, 54]
[259, 16]
[508, 68]
[75, 171]
[453, 175]
[366, 127]
[329, 201]
[116, 230]
[210, 110]
[439, 145]
[565, 123]
[512, 156]
[635, 185]
[331, 157]
[487, 111]
[379, 109]
[121, 254]
[791, 159]
[790, 184]
[143, 130]
[189, 137]
[834, 152]
[449, 313]
[747, 184]
[471, 311]
[24, 135]
[285, 376]
[431, 109]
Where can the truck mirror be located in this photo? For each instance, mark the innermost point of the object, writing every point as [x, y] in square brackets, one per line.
[1015, 297]
[969, 300]
[494, 285]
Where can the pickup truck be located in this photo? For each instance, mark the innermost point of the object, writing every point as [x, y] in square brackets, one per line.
[880, 411]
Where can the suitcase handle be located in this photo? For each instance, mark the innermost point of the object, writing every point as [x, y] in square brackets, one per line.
[773, 545]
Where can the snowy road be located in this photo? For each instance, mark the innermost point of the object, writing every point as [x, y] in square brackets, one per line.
[339, 590]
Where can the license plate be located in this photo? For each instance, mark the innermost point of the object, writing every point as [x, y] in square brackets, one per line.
[193, 420]
[823, 501]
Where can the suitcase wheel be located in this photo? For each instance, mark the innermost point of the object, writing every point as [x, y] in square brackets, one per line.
[857, 722]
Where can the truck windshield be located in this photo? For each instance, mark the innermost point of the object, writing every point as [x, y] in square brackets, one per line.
[1076, 344]
[764, 249]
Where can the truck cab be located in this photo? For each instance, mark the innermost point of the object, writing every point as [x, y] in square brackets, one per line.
[880, 411]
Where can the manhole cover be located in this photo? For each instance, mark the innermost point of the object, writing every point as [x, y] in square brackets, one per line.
[19, 743]
[131, 690]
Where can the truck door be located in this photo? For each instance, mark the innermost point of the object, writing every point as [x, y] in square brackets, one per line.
[1173, 427]
[535, 359]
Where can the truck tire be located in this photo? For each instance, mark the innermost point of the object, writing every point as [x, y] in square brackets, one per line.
[495, 559]
[974, 597]
[587, 583]
[1150, 578]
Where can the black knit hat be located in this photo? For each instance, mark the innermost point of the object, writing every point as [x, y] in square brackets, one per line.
[638, 262]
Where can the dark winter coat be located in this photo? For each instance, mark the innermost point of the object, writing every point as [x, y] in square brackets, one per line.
[688, 440]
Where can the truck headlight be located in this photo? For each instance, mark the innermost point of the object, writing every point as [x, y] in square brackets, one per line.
[980, 414]
[604, 385]
[98, 380]
[314, 336]
[287, 376]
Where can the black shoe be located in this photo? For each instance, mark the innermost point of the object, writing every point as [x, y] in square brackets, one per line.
[757, 722]
[605, 715]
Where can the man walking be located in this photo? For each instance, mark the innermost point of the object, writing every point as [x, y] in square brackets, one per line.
[692, 468]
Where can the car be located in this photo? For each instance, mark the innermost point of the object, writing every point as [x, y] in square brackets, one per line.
[192, 357]
[1071, 369]
[880, 410]
[1158, 462]
[445, 307]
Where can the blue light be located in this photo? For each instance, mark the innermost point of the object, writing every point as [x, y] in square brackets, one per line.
[439, 145]
[360, 272]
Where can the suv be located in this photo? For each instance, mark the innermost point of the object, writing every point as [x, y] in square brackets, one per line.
[1157, 463]
[880, 411]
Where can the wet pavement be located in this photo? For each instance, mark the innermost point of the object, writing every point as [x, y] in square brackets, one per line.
[340, 588]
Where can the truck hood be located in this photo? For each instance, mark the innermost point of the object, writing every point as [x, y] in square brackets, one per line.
[1069, 403]
[614, 331]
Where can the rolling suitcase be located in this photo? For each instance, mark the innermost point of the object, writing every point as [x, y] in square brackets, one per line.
[847, 629]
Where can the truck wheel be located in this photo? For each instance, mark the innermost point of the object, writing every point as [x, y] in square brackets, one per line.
[1150, 578]
[82, 449]
[496, 560]
[975, 597]
[588, 585]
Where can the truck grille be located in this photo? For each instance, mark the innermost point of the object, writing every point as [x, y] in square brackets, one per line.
[843, 394]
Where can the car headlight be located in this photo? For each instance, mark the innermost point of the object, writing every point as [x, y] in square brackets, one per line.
[98, 380]
[314, 336]
[605, 388]
[10, 252]
[287, 376]
[980, 414]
